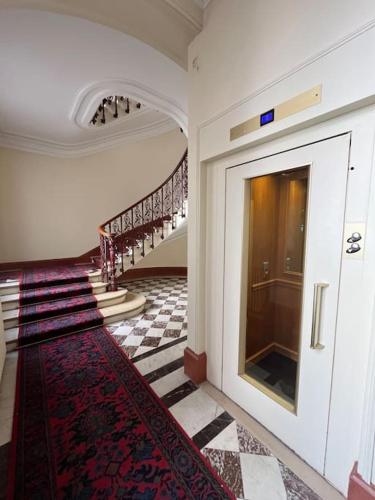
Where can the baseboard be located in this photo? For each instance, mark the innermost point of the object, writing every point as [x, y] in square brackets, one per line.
[358, 488]
[254, 358]
[195, 365]
[285, 351]
[273, 347]
[69, 261]
[152, 272]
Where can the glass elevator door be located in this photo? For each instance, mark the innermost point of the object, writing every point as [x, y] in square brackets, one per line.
[283, 245]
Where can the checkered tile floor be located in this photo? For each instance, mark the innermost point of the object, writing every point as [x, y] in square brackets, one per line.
[163, 320]
[155, 340]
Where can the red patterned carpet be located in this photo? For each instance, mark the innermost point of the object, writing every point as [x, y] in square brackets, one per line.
[46, 329]
[38, 295]
[87, 425]
[43, 317]
[45, 310]
[37, 278]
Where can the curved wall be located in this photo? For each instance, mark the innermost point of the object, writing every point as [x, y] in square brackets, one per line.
[50, 208]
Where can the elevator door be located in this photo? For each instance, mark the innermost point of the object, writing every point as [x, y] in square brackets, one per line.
[283, 245]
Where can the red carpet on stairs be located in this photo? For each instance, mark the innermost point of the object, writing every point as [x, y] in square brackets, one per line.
[42, 317]
[38, 331]
[87, 425]
[35, 312]
[53, 293]
[38, 278]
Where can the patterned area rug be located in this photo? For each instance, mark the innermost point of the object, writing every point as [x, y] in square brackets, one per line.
[45, 310]
[37, 278]
[30, 333]
[54, 293]
[87, 425]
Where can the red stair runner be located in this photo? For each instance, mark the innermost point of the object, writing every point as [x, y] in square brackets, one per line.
[36, 312]
[53, 293]
[38, 278]
[87, 425]
[42, 317]
[30, 333]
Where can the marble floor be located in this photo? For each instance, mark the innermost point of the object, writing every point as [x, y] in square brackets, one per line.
[155, 340]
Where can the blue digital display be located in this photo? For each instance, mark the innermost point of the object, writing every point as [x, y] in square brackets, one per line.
[267, 117]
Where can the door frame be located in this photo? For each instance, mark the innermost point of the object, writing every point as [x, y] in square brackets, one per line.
[293, 424]
[356, 275]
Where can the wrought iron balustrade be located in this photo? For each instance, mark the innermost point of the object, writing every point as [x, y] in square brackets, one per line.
[137, 227]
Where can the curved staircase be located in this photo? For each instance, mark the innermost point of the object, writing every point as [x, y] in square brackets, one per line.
[46, 303]
[42, 304]
[130, 235]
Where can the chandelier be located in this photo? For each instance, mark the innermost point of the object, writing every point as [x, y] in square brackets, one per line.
[113, 107]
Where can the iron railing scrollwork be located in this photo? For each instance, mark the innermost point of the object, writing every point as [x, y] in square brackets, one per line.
[135, 227]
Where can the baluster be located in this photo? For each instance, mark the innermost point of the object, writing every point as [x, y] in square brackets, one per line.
[112, 258]
[133, 257]
[152, 221]
[172, 207]
[106, 259]
[122, 243]
[162, 213]
[143, 231]
[182, 192]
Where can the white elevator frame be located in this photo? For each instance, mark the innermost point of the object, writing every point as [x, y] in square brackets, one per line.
[357, 287]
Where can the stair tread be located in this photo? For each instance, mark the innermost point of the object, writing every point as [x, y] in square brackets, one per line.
[13, 313]
[134, 301]
[47, 329]
[15, 296]
[11, 283]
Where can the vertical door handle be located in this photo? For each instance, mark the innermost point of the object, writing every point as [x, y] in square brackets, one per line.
[317, 315]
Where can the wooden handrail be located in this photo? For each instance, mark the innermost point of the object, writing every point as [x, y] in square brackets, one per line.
[102, 232]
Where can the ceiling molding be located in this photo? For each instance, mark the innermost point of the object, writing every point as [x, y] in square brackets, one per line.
[87, 100]
[171, 35]
[50, 148]
[191, 11]
[202, 3]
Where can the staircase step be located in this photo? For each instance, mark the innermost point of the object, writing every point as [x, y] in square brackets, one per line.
[10, 302]
[13, 286]
[57, 308]
[47, 329]
[133, 305]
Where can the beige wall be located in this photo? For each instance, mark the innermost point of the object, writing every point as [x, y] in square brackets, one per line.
[51, 207]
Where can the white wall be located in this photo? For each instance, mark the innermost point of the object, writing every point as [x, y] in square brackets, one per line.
[51, 207]
[247, 44]
[251, 56]
[170, 253]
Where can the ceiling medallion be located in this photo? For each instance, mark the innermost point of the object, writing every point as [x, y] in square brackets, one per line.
[113, 107]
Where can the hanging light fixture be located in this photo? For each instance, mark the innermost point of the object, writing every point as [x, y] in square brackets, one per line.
[112, 108]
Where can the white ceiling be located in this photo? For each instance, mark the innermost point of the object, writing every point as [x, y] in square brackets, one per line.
[167, 25]
[56, 68]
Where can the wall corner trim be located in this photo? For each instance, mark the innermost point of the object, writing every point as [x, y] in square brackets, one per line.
[195, 365]
[358, 488]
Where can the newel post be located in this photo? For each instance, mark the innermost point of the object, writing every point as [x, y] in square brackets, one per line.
[112, 266]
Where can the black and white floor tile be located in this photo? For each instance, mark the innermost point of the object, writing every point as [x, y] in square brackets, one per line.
[163, 321]
[155, 340]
